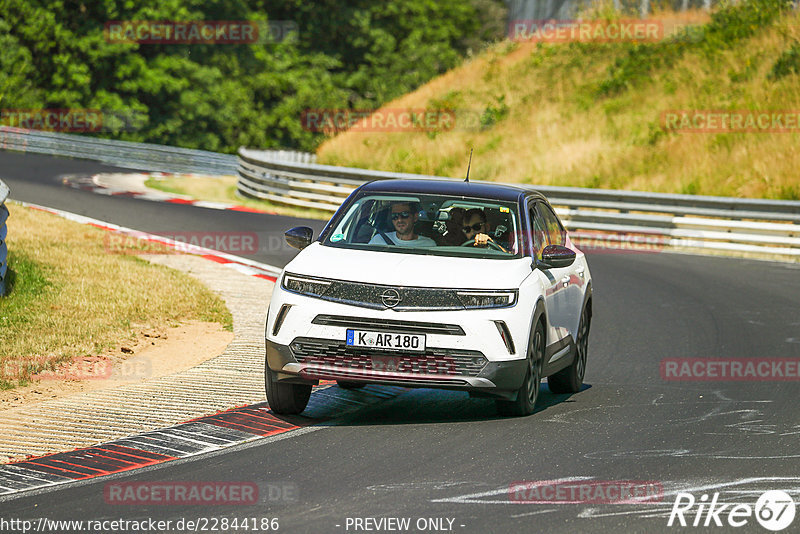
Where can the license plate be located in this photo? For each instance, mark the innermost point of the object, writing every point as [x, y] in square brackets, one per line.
[385, 340]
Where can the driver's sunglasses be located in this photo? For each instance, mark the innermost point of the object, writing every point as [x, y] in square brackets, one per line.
[475, 227]
[400, 215]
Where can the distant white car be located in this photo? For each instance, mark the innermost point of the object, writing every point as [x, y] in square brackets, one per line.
[437, 284]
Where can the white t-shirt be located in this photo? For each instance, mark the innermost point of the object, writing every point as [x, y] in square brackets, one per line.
[420, 241]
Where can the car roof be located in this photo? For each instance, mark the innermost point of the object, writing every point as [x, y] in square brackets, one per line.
[451, 187]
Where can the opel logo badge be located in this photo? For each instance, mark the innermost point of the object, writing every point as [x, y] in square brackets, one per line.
[391, 298]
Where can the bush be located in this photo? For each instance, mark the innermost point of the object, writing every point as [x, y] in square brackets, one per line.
[788, 63]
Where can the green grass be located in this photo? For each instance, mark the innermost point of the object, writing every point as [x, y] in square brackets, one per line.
[27, 289]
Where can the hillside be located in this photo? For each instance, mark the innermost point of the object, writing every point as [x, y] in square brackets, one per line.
[592, 114]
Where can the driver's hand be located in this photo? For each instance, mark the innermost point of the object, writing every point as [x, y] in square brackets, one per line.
[481, 240]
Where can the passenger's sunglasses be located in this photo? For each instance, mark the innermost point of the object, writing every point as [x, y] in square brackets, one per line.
[475, 227]
[400, 215]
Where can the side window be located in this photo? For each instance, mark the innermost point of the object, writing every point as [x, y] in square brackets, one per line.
[555, 232]
[539, 233]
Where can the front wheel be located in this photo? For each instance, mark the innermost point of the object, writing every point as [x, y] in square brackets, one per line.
[528, 393]
[285, 399]
[570, 379]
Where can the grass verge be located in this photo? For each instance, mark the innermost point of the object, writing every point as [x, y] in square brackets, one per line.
[68, 297]
[223, 189]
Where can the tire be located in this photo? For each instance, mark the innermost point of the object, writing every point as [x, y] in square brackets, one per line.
[350, 385]
[285, 399]
[528, 393]
[570, 379]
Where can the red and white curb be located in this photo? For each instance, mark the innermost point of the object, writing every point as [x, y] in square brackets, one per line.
[242, 265]
[90, 183]
[195, 437]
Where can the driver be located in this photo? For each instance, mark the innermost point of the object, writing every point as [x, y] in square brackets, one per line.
[475, 227]
[404, 216]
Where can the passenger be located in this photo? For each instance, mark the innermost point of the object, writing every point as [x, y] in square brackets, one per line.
[454, 235]
[404, 217]
[475, 227]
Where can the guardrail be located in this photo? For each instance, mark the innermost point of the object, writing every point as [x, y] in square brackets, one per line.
[3, 233]
[138, 156]
[294, 178]
[678, 221]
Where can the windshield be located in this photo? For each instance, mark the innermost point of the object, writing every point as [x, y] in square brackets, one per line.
[428, 224]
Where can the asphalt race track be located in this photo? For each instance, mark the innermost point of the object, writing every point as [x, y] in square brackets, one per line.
[426, 454]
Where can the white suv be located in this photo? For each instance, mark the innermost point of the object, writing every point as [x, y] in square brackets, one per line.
[432, 283]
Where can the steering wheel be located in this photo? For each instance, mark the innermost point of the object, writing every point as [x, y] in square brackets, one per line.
[490, 243]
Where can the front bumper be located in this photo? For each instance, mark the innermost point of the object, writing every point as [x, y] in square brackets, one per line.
[442, 369]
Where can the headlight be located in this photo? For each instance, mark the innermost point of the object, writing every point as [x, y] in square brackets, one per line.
[474, 300]
[305, 285]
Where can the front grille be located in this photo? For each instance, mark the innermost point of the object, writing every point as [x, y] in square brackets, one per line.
[396, 298]
[410, 327]
[374, 296]
[413, 298]
[432, 361]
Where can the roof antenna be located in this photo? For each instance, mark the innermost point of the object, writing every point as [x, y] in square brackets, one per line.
[469, 165]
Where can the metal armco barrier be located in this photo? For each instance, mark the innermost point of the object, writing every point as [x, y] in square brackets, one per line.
[3, 233]
[293, 178]
[676, 221]
[139, 156]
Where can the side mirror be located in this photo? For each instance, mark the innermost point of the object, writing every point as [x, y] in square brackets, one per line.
[556, 257]
[300, 237]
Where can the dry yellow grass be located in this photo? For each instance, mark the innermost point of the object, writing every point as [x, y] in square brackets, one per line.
[71, 298]
[556, 133]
